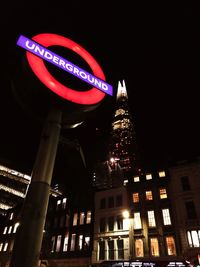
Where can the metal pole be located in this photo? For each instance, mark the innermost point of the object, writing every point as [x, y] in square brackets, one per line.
[28, 242]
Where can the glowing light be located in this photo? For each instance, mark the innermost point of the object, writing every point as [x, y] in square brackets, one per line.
[92, 96]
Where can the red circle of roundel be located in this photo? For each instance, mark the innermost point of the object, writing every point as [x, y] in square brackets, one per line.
[89, 97]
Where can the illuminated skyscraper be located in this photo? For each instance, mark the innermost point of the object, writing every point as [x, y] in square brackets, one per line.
[123, 147]
[122, 161]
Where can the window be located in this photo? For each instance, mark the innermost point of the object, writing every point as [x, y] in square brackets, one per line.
[148, 176]
[119, 222]
[194, 238]
[5, 246]
[171, 248]
[136, 179]
[64, 203]
[136, 197]
[53, 240]
[101, 250]
[5, 230]
[137, 221]
[103, 203]
[73, 242]
[11, 216]
[166, 217]
[162, 174]
[110, 202]
[88, 217]
[65, 244]
[102, 225]
[139, 249]
[185, 183]
[111, 223]
[1, 246]
[58, 243]
[111, 249]
[87, 243]
[154, 247]
[58, 204]
[120, 248]
[119, 200]
[163, 193]
[151, 218]
[82, 217]
[80, 242]
[190, 210]
[149, 195]
[75, 219]
[10, 230]
[15, 227]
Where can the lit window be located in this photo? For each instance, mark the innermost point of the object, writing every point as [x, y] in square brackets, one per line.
[137, 221]
[82, 217]
[15, 227]
[53, 240]
[136, 179]
[154, 246]
[64, 202]
[58, 203]
[80, 242]
[11, 216]
[149, 195]
[125, 182]
[163, 193]
[75, 219]
[151, 218]
[5, 230]
[139, 249]
[88, 218]
[65, 244]
[73, 242]
[171, 248]
[5, 246]
[166, 217]
[58, 243]
[136, 197]
[194, 238]
[1, 246]
[10, 230]
[148, 176]
[162, 174]
[87, 243]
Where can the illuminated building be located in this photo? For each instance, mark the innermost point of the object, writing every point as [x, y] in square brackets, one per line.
[123, 155]
[123, 141]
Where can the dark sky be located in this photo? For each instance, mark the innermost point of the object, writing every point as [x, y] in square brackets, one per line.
[154, 48]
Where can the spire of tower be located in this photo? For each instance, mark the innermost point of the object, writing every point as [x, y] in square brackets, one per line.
[121, 90]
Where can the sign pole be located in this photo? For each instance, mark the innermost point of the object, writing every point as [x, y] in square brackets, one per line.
[28, 242]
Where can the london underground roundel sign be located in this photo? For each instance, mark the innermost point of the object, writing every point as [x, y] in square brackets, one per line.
[37, 52]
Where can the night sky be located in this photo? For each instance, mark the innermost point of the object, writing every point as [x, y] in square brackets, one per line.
[155, 49]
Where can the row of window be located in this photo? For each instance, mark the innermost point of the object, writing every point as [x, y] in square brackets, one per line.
[76, 242]
[10, 229]
[113, 249]
[114, 223]
[149, 176]
[7, 246]
[149, 195]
